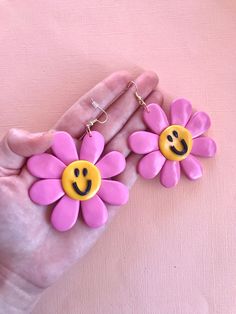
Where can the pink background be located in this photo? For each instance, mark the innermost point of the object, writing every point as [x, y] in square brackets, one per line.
[167, 251]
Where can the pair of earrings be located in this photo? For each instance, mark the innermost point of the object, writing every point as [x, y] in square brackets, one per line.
[83, 180]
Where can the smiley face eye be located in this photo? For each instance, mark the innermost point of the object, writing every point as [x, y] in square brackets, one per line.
[169, 137]
[175, 133]
[85, 171]
[76, 172]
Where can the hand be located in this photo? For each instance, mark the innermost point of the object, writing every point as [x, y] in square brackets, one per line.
[32, 254]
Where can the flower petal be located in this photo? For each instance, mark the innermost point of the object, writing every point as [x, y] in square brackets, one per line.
[111, 164]
[64, 147]
[191, 167]
[151, 164]
[45, 192]
[92, 147]
[198, 124]
[142, 142]
[170, 173]
[94, 212]
[65, 214]
[155, 118]
[180, 111]
[113, 192]
[45, 166]
[204, 147]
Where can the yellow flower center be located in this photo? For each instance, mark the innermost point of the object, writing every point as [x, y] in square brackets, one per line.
[175, 142]
[81, 180]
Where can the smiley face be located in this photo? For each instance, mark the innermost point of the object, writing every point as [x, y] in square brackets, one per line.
[81, 180]
[175, 142]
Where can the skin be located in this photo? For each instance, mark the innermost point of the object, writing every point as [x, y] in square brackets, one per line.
[34, 255]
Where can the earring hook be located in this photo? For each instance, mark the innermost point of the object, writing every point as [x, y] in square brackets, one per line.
[92, 122]
[96, 106]
[138, 97]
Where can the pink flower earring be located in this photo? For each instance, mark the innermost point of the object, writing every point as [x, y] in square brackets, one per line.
[171, 146]
[78, 179]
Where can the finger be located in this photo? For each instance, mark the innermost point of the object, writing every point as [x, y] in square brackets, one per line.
[126, 105]
[135, 123]
[18, 144]
[104, 93]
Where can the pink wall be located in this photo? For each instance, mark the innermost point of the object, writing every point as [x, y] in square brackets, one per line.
[167, 251]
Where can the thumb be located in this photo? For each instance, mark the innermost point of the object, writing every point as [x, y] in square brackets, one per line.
[18, 144]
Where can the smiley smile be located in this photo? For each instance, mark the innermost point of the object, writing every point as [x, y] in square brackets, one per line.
[81, 193]
[183, 151]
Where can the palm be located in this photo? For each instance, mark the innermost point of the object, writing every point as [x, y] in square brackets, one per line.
[29, 246]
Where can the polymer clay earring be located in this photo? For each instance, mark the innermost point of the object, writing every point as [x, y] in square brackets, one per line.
[78, 179]
[170, 146]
